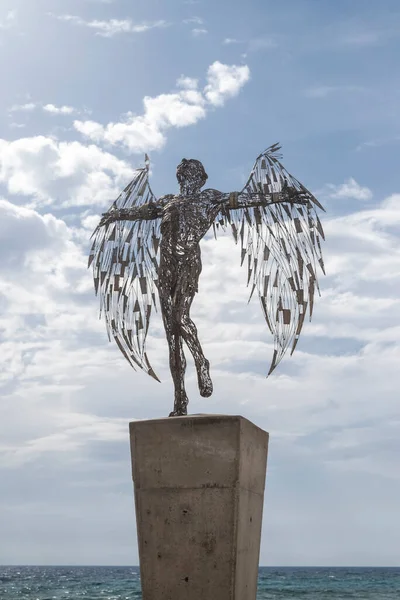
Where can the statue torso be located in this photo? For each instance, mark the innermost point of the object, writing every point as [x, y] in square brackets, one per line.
[186, 220]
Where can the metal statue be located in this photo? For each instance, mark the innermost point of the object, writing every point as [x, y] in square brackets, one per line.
[143, 245]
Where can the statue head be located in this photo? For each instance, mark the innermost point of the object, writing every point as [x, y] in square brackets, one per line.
[191, 176]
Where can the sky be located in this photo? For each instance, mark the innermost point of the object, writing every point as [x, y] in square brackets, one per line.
[89, 86]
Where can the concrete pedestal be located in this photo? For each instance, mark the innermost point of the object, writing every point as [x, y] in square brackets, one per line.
[199, 487]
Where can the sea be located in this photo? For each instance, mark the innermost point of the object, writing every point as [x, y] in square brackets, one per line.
[123, 583]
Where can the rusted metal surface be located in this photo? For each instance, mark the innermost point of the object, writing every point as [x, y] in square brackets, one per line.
[146, 247]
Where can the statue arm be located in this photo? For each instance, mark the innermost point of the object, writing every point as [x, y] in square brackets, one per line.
[145, 212]
[235, 200]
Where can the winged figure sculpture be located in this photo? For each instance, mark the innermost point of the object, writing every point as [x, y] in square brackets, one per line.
[147, 250]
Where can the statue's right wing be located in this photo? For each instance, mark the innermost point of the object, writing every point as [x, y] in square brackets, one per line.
[282, 242]
[125, 257]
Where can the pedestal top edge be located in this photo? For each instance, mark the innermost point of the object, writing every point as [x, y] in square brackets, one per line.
[205, 418]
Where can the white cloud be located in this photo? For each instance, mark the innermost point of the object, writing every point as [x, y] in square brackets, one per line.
[225, 81]
[78, 431]
[43, 297]
[48, 108]
[194, 20]
[145, 133]
[39, 259]
[22, 230]
[27, 107]
[61, 173]
[253, 45]
[9, 20]
[112, 27]
[58, 110]
[199, 31]
[350, 189]
[141, 133]
[187, 83]
[228, 41]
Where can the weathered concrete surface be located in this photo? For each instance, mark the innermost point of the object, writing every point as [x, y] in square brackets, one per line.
[199, 486]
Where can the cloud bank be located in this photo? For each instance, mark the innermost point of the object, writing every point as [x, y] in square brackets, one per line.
[184, 107]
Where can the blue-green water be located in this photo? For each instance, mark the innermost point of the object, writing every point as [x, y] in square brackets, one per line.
[123, 583]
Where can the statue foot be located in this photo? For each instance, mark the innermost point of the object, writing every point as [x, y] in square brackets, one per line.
[180, 407]
[204, 379]
[178, 413]
[206, 389]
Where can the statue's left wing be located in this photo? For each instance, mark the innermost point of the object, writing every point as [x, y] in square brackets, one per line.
[125, 257]
[282, 242]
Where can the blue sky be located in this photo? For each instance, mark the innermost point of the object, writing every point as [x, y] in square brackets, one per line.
[90, 85]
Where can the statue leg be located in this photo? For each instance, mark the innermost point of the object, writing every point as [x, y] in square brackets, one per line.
[189, 334]
[177, 361]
